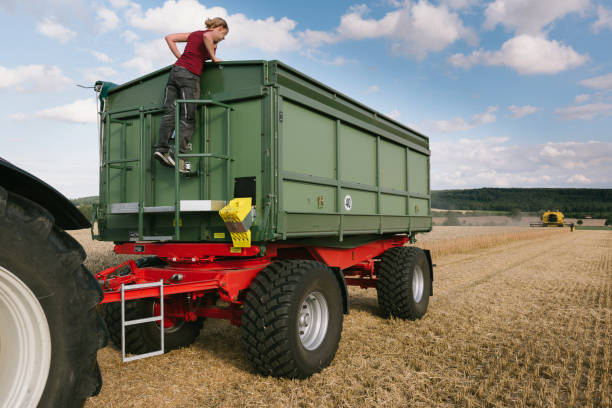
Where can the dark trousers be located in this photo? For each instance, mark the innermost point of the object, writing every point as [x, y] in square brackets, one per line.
[182, 84]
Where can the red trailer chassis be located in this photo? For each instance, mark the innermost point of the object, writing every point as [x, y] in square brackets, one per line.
[211, 279]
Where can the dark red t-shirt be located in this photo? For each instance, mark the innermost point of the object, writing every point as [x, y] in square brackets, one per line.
[195, 53]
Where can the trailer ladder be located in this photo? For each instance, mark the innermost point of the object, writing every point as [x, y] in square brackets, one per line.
[123, 118]
[177, 155]
[160, 319]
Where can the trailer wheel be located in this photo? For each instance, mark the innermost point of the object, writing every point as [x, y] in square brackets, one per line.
[49, 328]
[144, 338]
[404, 283]
[292, 319]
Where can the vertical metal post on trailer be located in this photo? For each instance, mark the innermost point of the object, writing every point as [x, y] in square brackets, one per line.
[141, 175]
[339, 199]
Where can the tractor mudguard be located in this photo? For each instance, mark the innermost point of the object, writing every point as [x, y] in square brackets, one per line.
[18, 181]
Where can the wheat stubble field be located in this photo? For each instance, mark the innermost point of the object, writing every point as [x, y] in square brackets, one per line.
[519, 317]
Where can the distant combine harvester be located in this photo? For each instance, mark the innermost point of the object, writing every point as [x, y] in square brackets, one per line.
[552, 219]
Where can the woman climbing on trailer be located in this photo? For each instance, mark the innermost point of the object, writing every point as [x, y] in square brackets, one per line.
[184, 83]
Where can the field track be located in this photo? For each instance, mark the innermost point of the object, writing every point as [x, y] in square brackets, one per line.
[524, 323]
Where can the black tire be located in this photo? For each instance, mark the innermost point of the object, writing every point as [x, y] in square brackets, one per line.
[144, 338]
[270, 324]
[48, 262]
[396, 271]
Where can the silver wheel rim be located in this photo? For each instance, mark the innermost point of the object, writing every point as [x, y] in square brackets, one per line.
[25, 344]
[418, 284]
[313, 319]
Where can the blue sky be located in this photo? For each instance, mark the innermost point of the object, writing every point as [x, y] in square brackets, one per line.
[512, 93]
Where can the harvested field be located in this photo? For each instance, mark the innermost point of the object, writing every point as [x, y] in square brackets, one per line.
[519, 318]
[505, 221]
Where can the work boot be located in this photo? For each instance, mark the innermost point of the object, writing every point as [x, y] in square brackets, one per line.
[184, 166]
[164, 158]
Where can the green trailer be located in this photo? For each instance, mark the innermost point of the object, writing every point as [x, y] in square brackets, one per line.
[294, 191]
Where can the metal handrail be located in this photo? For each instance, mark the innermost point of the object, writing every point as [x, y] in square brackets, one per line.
[140, 112]
[178, 155]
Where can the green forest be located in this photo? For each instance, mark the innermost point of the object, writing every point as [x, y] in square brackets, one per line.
[573, 202]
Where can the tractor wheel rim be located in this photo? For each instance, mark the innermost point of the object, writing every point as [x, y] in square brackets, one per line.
[25, 344]
[313, 319]
[418, 284]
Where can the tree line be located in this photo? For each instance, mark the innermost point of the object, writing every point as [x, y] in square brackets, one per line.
[573, 202]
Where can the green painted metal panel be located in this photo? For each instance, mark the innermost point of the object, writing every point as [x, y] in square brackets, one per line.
[302, 224]
[358, 202]
[365, 223]
[324, 164]
[309, 142]
[418, 173]
[392, 166]
[419, 206]
[358, 156]
[392, 205]
[339, 105]
[300, 197]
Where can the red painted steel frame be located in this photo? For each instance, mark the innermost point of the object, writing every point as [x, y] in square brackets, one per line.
[229, 277]
[195, 269]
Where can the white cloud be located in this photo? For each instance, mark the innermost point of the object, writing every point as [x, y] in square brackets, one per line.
[414, 30]
[496, 162]
[129, 36]
[269, 35]
[582, 98]
[520, 111]
[529, 16]
[353, 25]
[603, 82]
[579, 179]
[394, 114]
[100, 56]
[33, 78]
[585, 112]
[149, 56]
[526, 54]
[372, 89]
[459, 124]
[106, 20]
[51, 28]
[553, 151]
[100, 73]
[313, 38]
[604, 19]
[79, 111]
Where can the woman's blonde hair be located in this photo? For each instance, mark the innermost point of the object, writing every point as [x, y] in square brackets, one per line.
[216, 22]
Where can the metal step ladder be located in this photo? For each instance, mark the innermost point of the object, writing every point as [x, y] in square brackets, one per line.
[160, 319]
[125, 118]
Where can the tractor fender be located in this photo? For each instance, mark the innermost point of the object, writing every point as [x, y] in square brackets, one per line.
[67, 216]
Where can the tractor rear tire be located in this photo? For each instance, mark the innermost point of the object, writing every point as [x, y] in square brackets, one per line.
[50, 331]
[404, 283]
[145, 337]
[292, 319]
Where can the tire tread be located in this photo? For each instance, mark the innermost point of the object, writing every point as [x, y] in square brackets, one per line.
[265, 320]
[82, 332]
